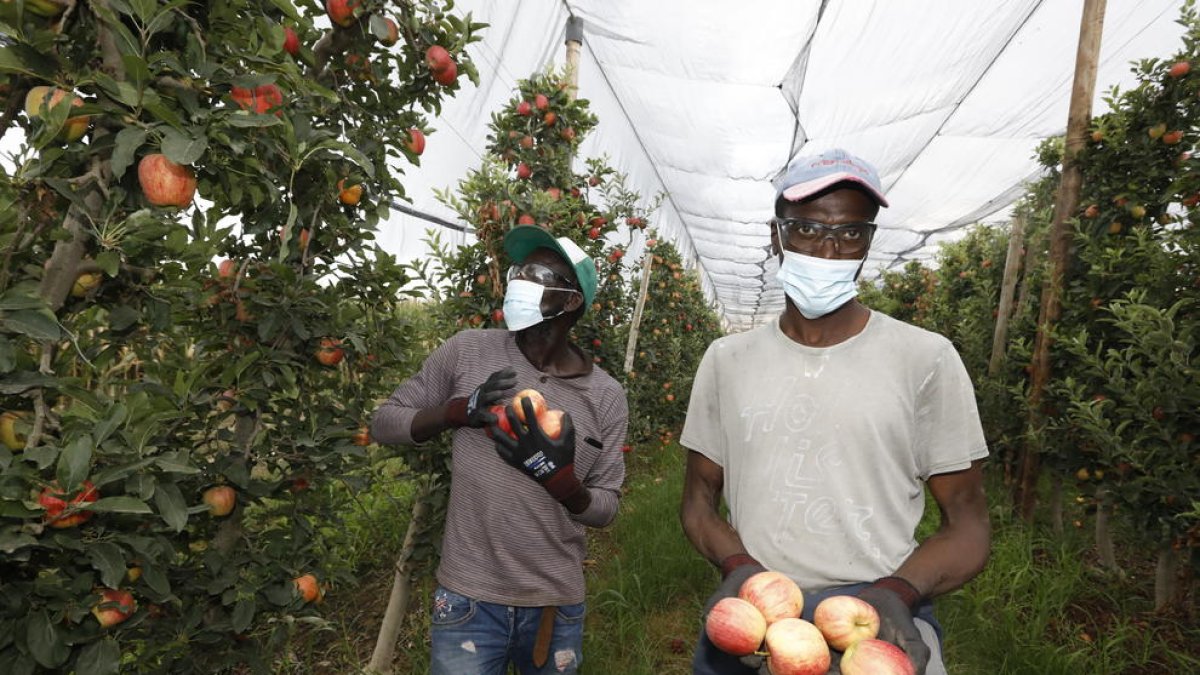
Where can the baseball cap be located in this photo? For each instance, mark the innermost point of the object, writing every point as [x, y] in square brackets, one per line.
[523, 239]
[806, 176]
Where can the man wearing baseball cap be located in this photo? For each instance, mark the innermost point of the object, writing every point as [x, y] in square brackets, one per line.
[822, 430]
[510, 580]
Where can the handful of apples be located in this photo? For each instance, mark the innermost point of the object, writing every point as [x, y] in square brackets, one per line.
[764, 619]
[550, 421]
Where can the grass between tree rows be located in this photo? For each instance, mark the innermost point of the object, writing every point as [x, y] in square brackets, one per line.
[1042, 605]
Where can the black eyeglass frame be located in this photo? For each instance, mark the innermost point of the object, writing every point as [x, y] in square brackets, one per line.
[516, 271]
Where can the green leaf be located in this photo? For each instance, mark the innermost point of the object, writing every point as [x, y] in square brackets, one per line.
[287, 8]
[101, 657]
[183, 148]
[120, 504]
[136, 71]
[171, 505]
[26, 380]
[125, 149]
[115, 418]
[287, 231]
[75, 461]
[243, 119]
[176, 462]
[13, 540]
[38, 324]
[45, 642]
[15, 299]
[351, 154]
[156, 579]
[107, 559]
[243, 614]
[24, 60]
[109, 262]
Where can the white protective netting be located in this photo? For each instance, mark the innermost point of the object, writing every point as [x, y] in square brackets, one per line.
[705, 102]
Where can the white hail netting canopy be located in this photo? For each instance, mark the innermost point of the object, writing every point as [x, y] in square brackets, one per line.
[705, 101]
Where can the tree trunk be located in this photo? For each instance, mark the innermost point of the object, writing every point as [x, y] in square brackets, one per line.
[1104, 542]
[1165, 576]
[393, 617]
[1012, 271]
[635, 324]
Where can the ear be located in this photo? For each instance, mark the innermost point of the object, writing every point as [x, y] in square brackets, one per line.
[776, 246]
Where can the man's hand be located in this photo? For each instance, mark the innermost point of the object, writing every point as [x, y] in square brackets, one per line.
[728, 588]
[549, 461]
[472, 411]
[896, 623]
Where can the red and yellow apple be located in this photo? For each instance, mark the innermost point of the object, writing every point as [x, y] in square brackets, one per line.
[165, 183]
[41, 99]
[774, 594]
[308, 588]
[876, 657]
[220, 499]
[65, 510]
[796, 647]
[735, 626]
[262, 99]
[415, 142]
[551, 423]
[362, 437]
[330, 352]
[349, 195]
[291, 41]
[845, 619]
[341, 12]
[535, 397]
[115, 606]
[393, 33]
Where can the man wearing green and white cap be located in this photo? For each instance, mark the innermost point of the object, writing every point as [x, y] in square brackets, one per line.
[510, 581]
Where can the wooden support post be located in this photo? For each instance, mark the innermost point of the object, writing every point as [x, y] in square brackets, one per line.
[1087, 59]
[636, 322]
[1008, 288]
[574, 44]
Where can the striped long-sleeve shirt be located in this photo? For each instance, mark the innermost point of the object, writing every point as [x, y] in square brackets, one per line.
[506, 540]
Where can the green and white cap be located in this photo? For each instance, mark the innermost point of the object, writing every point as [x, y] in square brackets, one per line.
[523, 239]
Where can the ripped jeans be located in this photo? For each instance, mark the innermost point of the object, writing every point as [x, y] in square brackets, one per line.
[473, 637]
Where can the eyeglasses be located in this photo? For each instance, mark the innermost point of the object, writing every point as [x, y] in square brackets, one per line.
[808, 235]
[539, 273]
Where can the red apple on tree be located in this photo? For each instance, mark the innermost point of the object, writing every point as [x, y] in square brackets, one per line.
[594, 233]
[541, 102]
[876, 657]
[523, 171]
[1172, 137]
[41, 99]
[330, 353]
[393, 33]
[165, 183]
[341, 12]
[64, 510]
[308, 588]
[115, 606]
[1179, 69]
[774, 594]
[735, 626]
[437, 58]
[526, 219]
[349, 195]
[524, 109]
[291, 41]
[845, 619]
[220, 500]
[796, 647]
[497, 316]
[550, 118]
[415, 141]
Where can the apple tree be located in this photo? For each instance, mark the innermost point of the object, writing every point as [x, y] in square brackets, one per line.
[195, 322]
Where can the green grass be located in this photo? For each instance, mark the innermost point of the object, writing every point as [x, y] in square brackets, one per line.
[1041, 606]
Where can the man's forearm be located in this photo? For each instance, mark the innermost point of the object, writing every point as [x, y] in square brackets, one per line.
[949, 559]
[429, 423]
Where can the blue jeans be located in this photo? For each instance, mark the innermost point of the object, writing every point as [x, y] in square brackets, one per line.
[710, 660]
[473, 637]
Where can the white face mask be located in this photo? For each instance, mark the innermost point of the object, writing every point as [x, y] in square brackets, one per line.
[817, 286]
[523, 304]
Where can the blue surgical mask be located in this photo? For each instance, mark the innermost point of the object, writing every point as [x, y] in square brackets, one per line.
[817, 286]
[523, 304]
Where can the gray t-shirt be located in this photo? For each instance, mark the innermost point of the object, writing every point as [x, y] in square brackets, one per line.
[507, 541]
[825, 449]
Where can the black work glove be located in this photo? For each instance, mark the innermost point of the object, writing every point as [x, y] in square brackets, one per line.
[729, 587]
[896, 599]
[472, 411]
[549, 461]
